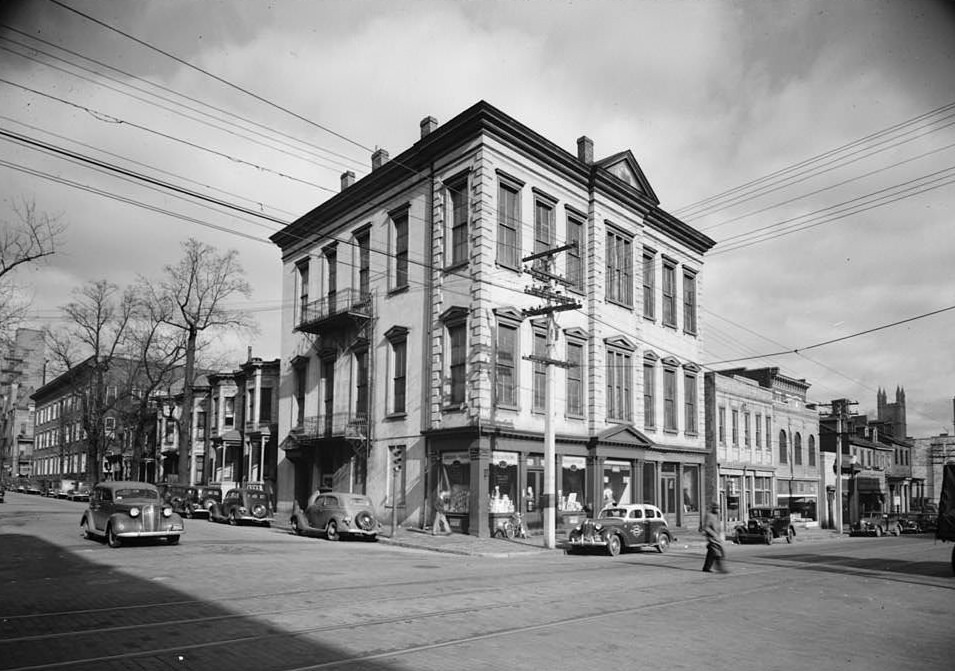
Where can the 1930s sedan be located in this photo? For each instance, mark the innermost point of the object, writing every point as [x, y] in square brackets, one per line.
[250, 504]
[630, 526]
[123, 510]
[764, 525]
[337, 515]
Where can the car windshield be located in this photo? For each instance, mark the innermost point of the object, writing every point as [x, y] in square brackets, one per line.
[611, 513]
[127, 494]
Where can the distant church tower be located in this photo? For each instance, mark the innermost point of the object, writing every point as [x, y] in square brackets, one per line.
[892, 414]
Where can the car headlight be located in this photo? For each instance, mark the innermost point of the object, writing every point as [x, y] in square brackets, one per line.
[134, 512]
[166, 511]
[577, 528]
[598, 527]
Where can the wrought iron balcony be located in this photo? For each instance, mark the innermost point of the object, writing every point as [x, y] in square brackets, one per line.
[342, 309]
[337, 425]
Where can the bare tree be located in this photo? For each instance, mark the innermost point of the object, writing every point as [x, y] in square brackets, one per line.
[196, 292]
[98, 329]
[30, 239]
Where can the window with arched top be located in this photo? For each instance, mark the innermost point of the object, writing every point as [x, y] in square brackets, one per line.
[812, 450]
[783, 452]
[797, 449]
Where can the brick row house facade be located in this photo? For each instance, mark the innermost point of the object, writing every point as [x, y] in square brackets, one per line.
[21, 373]
[409, 327]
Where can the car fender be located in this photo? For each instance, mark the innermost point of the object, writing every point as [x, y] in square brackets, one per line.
[89, 518]
[304, 527]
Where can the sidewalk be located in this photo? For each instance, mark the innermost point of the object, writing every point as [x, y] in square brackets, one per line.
[461, 544]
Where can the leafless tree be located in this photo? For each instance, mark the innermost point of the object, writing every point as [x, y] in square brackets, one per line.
[96, 335]
[196, 292]
[28, 240]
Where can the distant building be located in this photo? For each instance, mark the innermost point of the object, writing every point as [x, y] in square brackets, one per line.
[762, 436]
[22, 365]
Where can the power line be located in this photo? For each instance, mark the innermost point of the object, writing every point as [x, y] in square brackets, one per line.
[212, 76]
[835, 340]
[219, 110]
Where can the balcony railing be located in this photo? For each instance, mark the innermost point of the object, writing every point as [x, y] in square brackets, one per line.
[334, 311]
[336, 425]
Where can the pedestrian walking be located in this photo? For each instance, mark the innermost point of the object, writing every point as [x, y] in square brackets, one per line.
[440, 526]
[715, 554]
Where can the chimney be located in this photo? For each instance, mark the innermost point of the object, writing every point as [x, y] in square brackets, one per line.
[379, 158]
[428, 124]
[348, 178]
[249, 355]
[585, 149]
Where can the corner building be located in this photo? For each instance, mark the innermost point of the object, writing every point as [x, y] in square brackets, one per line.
[407, 332]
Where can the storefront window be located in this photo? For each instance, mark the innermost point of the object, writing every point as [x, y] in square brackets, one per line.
[616, 481]
[668, 488]
[691, 488]
[731, 486]
[573, 476]
[763, 491]
[454, 477]
[502, 483]
[650, 482]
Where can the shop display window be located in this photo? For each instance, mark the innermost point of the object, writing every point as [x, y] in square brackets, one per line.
[691, 488]
[649, 482]
[616, 481]
[454, 479]
[573, 478]
[502, 484]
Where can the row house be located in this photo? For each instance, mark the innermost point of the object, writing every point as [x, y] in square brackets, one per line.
[763, 443]
[21, 373]
[66, 405]
[234, 427]
[405, 372]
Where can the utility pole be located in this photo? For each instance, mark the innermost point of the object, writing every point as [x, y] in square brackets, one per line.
[556, 301]
[840, 409]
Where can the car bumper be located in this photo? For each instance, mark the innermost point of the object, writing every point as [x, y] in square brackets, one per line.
[255, 520]
[588, 541]
[150, 534]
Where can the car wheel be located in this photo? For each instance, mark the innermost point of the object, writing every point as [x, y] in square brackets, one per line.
[112, 539]
[331, 531]
[789, 535]
[663, 542]
[87, 532]
[173, 540]
[613, 545]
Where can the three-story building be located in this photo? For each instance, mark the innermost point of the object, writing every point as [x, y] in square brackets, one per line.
[405, 369]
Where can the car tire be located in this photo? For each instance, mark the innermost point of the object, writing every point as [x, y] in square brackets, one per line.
[613, 545]
[331, 531]
[663, 543]
[112, 539]
[173, 540]
[87, 532]
[790, 534]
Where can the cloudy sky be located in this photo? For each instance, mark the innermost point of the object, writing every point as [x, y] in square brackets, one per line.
[813, 140]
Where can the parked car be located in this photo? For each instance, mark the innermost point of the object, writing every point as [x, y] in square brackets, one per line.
[624, 527]
[337, 515]
[765, 525]
[911, 523]
[243, 504]
[876, 524]
[191, 500]
[121, 510]
[79, 493]
[33, 487]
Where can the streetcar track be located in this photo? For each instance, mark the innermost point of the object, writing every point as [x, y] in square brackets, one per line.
[406, 618]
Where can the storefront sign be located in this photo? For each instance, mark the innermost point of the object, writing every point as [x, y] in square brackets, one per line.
[504, 459]
[454, 457]
[574, 463]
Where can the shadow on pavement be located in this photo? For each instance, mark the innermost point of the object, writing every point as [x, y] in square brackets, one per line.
[861, 566]
[58, 610]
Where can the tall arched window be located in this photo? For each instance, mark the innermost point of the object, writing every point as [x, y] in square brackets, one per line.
[812, 450]
[783, 451]
[797, 449]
